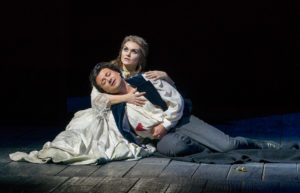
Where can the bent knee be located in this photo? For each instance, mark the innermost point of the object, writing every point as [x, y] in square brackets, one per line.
[175, 145]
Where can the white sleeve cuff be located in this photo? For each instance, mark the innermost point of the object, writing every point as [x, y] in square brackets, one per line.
[167, 124]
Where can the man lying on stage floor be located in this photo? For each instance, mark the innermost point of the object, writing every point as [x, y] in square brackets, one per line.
[127, 131]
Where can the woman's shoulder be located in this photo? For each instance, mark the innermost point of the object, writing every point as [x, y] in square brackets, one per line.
[95, 92]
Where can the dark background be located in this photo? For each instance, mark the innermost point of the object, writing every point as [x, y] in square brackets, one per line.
[233, 59]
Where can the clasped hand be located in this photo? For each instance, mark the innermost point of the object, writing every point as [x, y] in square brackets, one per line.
[133, 97]
[159, 131]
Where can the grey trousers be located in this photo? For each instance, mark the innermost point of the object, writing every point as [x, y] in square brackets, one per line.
[196, 135]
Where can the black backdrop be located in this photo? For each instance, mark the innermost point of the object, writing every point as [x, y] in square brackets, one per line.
[233, 59]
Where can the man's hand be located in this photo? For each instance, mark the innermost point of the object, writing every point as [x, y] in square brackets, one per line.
[159, 131]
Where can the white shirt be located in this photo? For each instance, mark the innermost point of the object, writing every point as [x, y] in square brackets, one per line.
[144, 118]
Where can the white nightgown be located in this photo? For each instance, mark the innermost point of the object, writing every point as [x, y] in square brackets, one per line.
[93, 134]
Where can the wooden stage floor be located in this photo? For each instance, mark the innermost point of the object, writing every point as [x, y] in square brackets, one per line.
[151, 174]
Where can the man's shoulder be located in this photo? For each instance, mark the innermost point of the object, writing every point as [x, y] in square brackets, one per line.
[137, 79]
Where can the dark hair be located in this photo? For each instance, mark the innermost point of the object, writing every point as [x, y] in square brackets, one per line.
[96, 70]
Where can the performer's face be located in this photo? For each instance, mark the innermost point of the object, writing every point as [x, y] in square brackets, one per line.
[131, 54]
[109, 80]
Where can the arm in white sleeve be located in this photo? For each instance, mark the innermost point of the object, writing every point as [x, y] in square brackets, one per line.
[103, 101]
[173, 100]
[100, 101]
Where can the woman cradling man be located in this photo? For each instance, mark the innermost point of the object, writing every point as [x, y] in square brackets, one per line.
[131, 61]
[92, 135]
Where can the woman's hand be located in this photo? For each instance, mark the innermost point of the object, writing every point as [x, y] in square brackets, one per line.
[135, 98]
[155, 75]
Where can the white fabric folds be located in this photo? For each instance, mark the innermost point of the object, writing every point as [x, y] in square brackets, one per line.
[93, 134]
[86, 139]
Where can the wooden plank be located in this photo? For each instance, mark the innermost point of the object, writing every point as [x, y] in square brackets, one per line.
[153, 160]
[30, 169]
[212, 172]
[280, 172]
[148, 167]
[260, 187]
[112, 185]
[149, 185]
[44, 183]
[179, 168]
[114, 169]
[179, 180]
[253, 172]
[83, 181]
[11, 179]
[39, 184]
[72, 189]
[11, 183]
[78, 170]
[222, 186]
[186, 187]
[289, 187]
[79, 184]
